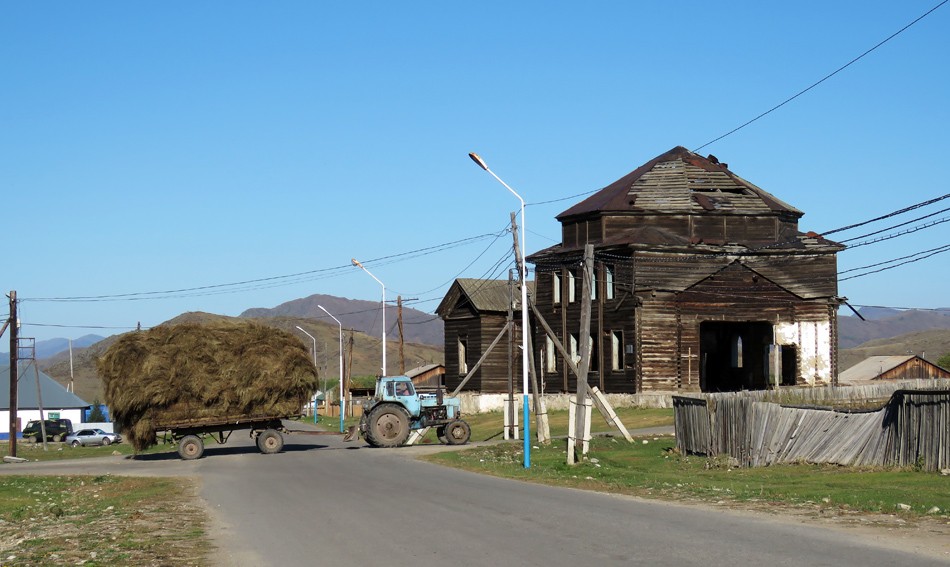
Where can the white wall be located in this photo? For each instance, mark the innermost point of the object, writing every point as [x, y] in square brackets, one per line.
[813, 340]
[27, 415]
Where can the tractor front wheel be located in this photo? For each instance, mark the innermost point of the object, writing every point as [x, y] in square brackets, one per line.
[457, 432]
[388, 426]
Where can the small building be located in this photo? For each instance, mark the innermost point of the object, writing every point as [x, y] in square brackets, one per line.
[702, 282]
[427, 377]
[475, 312]
[881, 368]
[58, 403]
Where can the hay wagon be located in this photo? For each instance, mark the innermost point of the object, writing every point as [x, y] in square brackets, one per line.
[189, 434]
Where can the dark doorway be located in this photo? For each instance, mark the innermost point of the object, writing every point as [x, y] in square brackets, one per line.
[789, 364]
[734, 356]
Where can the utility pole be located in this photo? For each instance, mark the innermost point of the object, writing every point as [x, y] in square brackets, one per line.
[578, 440]
[402, 339]
[14, 351]
[511, 420]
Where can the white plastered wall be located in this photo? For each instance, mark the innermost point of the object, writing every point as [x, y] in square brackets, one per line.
[813, 340]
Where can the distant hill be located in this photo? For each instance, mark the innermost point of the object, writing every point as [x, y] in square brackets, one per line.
[885, 323]
[931, 345]
[367, 352]
[365, 316]
[52, 347]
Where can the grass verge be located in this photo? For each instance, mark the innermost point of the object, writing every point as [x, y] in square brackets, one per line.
[652, 468]
[100, 520]
[61, 451]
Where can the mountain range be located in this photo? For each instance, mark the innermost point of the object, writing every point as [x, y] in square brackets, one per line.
[885, 331]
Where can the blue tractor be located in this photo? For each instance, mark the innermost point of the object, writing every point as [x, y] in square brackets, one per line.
[396, 409]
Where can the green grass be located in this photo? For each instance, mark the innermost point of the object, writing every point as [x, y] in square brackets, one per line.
[61, 451]
[655, 470]
[100, 520]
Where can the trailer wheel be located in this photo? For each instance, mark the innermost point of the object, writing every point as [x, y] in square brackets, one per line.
[190, 447]
[458, 432]
[57, 438]
[270, 442]
[388, 426]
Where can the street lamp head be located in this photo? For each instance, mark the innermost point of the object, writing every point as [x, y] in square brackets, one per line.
[478, 160]
[356, 262]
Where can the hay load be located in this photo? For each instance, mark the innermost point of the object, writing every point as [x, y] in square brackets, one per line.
[187, 372]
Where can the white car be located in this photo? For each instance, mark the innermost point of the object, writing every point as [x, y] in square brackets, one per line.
[92, 437]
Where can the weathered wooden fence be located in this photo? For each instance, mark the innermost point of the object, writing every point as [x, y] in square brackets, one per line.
[912, 427]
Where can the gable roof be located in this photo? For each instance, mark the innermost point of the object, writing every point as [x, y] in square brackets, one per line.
[872, 367]
[484, 296]
[54, 394]
[680, 181]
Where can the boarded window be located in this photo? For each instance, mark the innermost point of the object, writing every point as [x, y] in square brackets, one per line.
[550, 356]
[570, 286]
[616, 350]
[463, 355]
[574, 349]
[608, 282]
[556, 287]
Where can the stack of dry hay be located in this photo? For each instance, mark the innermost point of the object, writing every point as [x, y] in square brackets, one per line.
[182, 372]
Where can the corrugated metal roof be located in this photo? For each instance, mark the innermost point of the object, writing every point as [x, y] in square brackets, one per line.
[872, 367]
[680, 181]
[55, 396]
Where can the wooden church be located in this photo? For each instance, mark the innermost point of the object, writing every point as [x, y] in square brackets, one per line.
[703, 282]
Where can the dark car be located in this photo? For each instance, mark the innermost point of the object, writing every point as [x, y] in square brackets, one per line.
[56, 430]
[87, 437]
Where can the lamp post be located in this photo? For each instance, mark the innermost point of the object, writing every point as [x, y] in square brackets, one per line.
[314, 351]
[362, 267]
[524, 313]
[342, 400]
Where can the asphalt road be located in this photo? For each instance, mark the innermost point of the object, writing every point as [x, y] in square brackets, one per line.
[383, 507]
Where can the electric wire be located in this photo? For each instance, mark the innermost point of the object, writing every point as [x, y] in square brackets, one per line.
[823, 79]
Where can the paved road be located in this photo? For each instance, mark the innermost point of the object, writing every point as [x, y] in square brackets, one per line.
[382, 507]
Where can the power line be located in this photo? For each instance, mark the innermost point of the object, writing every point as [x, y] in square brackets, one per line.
[293, 278]
[937, 249]
[889, 215]
[945, 249]
[823, 79]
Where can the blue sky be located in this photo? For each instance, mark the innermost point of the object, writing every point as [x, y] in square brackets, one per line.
[147, 147]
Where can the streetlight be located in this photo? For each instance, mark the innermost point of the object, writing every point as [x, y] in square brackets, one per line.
[314, 351]
[341, 363]
[362, 267]
[524, 313]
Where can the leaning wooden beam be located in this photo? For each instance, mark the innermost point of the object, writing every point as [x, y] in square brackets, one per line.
[581, 396]
[479, 363]
[608, 412]
[416, 435]
[560, 348]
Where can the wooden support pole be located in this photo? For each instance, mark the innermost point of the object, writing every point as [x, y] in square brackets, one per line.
[402, 340]
[14, 355]
[479, 363]
[582, 416]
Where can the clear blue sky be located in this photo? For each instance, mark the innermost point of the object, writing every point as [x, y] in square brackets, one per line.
[164, 146]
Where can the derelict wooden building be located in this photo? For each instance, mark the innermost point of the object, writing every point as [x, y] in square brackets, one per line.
[703, 283]
[474, 312]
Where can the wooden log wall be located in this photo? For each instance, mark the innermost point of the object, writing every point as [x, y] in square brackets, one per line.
[912, 429]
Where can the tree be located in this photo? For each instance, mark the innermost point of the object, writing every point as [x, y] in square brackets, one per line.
[95, 414]
[944, 361]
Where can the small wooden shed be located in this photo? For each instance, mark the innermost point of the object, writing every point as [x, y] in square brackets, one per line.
[901, 367]
[475, 311]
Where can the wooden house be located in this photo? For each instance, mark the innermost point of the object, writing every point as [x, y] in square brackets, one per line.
[703, 282]
[475, 312]
[902, 367]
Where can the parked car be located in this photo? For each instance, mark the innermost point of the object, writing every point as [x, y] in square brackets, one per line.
[92, 437]
[56, 430]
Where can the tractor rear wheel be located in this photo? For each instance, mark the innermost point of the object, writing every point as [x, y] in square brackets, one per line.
[388, 426]
[270, 442]
[190, 447]
[457, 432]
